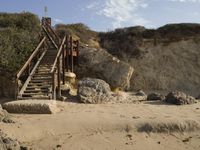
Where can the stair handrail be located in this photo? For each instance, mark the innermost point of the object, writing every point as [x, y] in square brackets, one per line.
[55, 34]
[30, 58]
[58, 55]
[53, 70]
[26, 65]
[50, 37]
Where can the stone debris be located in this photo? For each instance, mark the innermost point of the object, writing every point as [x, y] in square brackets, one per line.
[155, 96]
[7, 143]
[179, 98]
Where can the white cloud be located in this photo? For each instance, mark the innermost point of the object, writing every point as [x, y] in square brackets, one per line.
[92, 5]
[57, 20]
[185, 1]
[121, 11]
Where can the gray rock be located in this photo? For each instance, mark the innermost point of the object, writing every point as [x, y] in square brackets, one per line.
[140, 93]
[5, 117]
[179, 98]
[98, 63]
[155, 96]
[7, 143]
[93, 91]
[198, 97]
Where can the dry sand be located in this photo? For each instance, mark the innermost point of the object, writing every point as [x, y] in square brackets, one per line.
[110, 127]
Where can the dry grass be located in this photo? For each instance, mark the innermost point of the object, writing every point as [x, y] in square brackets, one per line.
[169, 126]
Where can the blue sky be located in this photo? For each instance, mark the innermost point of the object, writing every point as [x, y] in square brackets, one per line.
[103, 15]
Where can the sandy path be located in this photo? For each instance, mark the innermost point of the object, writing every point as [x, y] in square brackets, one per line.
[105, 127]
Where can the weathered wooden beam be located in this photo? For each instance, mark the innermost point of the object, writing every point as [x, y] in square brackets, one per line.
[58, 76]
[71, 49]
[58, 55]
[63, 64]
[67, 53]
[53, 86]
[77, 50]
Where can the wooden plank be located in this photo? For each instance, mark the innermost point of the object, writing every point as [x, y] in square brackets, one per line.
[53, 86]
[77, 51]
[56, 46]
[58, 55]
[71, 49]
[58, 76]
[63, 65]
[54, 33]
[67, 53]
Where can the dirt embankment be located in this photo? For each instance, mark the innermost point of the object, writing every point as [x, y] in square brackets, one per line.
[164, 59]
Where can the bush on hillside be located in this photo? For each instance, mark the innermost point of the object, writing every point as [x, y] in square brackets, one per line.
[80, 32]
[18, 38]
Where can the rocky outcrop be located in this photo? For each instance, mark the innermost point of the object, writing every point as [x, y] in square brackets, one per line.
[93, 91]
[7, 143]
[179, 98]
[97, 63]
[140, 93]
[155, 96]
[5, 116]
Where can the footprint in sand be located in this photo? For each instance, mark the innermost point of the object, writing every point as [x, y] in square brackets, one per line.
[135, 117]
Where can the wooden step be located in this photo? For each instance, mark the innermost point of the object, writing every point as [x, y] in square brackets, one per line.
[41, 79]
[37, 87]
[42, 75]
[35, 98]
[38, 84]
[36, 94]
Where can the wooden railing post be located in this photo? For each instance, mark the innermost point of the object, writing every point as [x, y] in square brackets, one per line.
[53, 86]
[16, 87]
[58, 76]
[77, 51]
[67, 53]
[71, 49]
[63, 64]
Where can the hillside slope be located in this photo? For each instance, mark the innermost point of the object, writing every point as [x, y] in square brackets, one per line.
[164, 59]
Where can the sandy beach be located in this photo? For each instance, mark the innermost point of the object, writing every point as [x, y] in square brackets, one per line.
[141, 126]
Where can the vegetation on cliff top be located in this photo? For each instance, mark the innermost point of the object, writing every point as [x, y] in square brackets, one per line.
[80, 32]
[18, 38]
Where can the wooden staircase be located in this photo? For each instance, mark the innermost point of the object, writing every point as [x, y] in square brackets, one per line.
[46, 65]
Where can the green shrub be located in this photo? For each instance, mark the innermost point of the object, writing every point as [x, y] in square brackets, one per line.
[18, 38]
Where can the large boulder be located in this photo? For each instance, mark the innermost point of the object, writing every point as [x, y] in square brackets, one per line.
[179, 98]
[155, 96]
[93, 91]
[98, 63]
